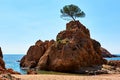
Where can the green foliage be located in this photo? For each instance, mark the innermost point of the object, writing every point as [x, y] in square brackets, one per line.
[64, 41]
[71, 11]
[58, 40]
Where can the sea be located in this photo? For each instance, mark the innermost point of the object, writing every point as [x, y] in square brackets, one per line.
[12, 61]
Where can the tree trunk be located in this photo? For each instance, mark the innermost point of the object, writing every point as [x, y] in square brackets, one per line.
[73, 18]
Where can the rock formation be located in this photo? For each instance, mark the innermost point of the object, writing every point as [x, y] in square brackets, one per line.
[72, 50]
[112, 67]
[34, 53]
[105, 53]
[3, 70]
[2, 64]
[115, 63]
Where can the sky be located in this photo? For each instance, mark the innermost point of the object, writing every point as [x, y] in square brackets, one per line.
[23, 22]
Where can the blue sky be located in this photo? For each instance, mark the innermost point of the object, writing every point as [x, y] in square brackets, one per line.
[23, 22]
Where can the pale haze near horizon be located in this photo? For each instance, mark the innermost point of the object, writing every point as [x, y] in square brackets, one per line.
[23, 22]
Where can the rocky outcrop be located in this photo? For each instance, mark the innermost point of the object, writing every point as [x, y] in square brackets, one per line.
[34, 53]
[72, 50]
[112, 67]
[2, 64]
[105, 53]
[11, 71]
[115, 63]
[3, 70]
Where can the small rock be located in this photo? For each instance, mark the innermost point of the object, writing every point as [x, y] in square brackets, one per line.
[30, 71]
[8, 77]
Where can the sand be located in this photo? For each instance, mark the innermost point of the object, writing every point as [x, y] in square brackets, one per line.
[69, 77]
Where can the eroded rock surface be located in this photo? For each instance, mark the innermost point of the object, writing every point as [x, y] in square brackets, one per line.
[34, 53]
[72, 50]
[112, 66]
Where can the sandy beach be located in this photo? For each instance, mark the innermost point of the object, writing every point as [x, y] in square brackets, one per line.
[69, 77]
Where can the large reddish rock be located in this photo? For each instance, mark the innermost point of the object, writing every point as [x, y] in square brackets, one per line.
[72, 50]
[74, 25]
[34, 53]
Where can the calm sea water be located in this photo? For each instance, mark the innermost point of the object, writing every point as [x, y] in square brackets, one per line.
[114, 58]
[11, 61]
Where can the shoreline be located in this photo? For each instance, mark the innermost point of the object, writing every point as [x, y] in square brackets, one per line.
[68, 77]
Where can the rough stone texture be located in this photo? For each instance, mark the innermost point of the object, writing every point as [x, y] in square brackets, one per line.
[34, 53]
[115, 63]
[2, 63]
[77, 25]
[8, 77]
[112, 67]
[11, 71]
[72, 50]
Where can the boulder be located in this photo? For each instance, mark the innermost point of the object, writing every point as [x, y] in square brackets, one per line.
[30, 71]
[115, 63]
[34, 53]
[72, 50]
[112, 67]
[32, 57]
[11, 71]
